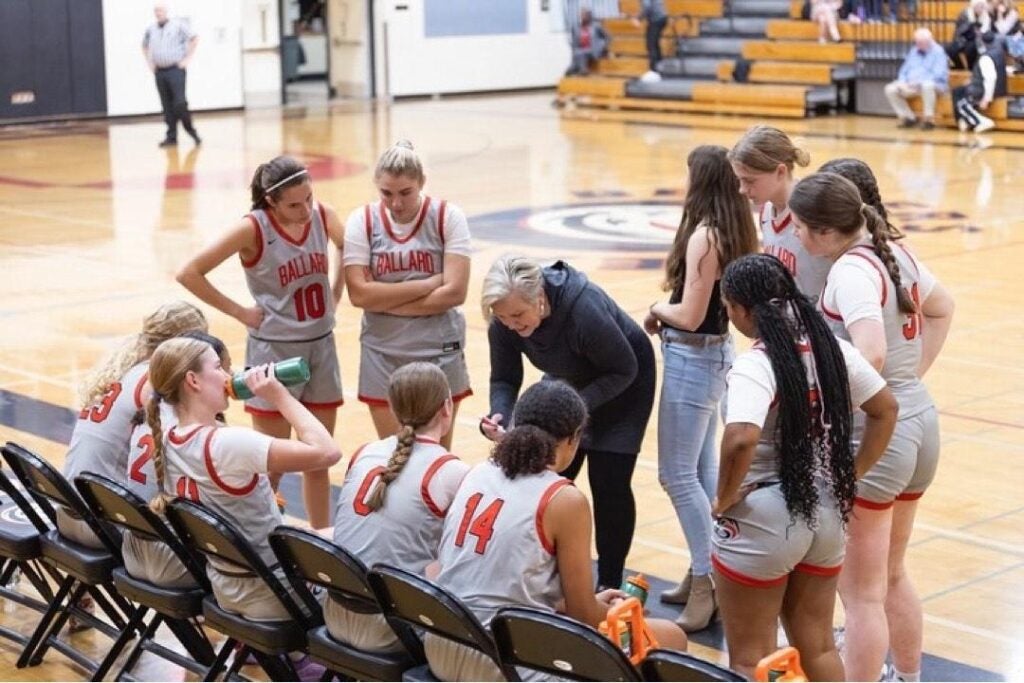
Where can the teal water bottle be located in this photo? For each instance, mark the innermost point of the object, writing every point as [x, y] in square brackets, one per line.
[288, 372]
[636, 586]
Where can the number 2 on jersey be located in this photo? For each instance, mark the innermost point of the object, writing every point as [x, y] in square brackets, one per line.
[482, 527]
[912, 328]
[135, 471]
[310, 302]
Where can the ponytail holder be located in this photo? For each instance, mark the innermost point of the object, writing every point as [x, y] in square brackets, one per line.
[863, 205]
[157, 395]
[281, 182]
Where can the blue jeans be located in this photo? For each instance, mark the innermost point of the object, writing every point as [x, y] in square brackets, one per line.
[691, 390]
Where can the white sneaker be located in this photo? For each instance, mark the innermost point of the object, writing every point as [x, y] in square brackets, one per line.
[963, 125]
[984, 124]
[651, 77]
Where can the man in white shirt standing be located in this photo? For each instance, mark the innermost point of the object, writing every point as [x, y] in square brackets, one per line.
[168, 46]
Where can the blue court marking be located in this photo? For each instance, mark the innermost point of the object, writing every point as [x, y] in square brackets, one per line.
[55, 423]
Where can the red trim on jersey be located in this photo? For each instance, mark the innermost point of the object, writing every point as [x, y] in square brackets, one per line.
[425, 484]
[816, 570]
[909, 496]
[743, 579]
[179, 440]
[440, 220]
[882, 274]
[426, 439]
[352, 460]
[323, 406]
[280, 231]
[370, 400]
[542, 507]
[367, 223]
[139, 387]
[871, 505]
[221, 484]
[323, 219]
[465, 394]
[259, 243]
[419, 221]
[824, 309]
[262, 412]
[913, 261]
[778, 227]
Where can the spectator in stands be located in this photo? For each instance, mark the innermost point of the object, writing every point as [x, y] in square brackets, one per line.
[974, 21]
[653, 11]
[1015, 48]
[988, 81]
[1005, 18]
[924, 72]
[589, 43]
[826, 14]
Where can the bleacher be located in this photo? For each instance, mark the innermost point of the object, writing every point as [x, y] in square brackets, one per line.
[791, 74]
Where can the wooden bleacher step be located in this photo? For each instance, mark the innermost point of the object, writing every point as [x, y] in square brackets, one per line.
[799, 51]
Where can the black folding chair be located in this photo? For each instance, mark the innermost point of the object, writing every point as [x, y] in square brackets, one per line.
[86, 570]
[669, 665]
[177, 607]
[412, 599]
[204, 531]
[555, 644]
[309, 559]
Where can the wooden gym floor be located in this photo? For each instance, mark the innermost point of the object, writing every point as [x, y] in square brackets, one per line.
[95, 219]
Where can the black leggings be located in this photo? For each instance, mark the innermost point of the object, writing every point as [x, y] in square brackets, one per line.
[610, 476]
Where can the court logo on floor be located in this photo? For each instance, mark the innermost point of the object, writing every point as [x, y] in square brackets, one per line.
[604, 226]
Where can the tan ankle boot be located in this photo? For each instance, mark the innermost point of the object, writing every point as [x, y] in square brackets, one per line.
[679, 594]
[701, 606]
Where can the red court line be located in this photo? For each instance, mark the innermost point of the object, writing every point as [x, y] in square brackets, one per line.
[971, 418]
[22, 182]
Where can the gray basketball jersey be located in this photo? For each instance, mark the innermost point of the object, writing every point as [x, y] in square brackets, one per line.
[100, 440]
[780, 240]
[289, 279]
[406, 530]
[493, 552]
[140, 477]
[902, 331]
[191, 473]
[416, 256]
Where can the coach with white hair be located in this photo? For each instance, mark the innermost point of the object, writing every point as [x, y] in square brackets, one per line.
[168, 46]
[924, 73]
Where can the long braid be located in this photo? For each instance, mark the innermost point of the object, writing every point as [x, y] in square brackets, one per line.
[880, 239]
[159, 502]
[803, 440]
[396, 463]
[861, 175]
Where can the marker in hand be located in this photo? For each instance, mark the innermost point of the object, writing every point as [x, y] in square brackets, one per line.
[491, 427]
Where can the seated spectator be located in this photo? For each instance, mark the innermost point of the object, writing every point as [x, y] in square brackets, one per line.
[826, 13]
[988, 81]
[1015, 48]
[589, 44]
[1005, 18]
[975, 20]
[924, 72]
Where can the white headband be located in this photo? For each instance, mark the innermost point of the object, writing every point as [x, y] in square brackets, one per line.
[279, 183]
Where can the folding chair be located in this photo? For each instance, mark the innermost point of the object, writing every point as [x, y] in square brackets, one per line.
[204, 531]
[177, 607]
[309, 559]
[555, 644]
[412, 599]
[669, 665]
[86, 570]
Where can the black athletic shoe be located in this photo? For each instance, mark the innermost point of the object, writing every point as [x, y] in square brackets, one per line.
[167, 142]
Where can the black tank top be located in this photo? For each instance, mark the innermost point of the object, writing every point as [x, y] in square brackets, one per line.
[716, 321]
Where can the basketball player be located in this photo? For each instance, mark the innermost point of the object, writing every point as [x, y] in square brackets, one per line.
[395, 496]
[111, 396]
[763, 160]
[145, 559]
[407, 267]
[786, 486]
[518, 534]
[283, 245]
[897, 315]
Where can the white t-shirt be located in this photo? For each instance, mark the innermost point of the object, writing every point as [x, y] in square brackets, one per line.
[357, 247]
[752, 385]
[855, 289]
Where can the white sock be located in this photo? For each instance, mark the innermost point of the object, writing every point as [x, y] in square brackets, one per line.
[900, 676]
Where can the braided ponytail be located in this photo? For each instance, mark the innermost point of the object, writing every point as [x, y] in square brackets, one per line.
[159, 503]
[397, 462]
[860, 174]
[880, 240]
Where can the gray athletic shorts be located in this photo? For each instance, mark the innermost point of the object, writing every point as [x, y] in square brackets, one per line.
[369, 632]
[154, 561]
[375, 370]
[907, 467]
[76, 529]
[756, 544]
[322, 391]
[250, 596]
[450, 661]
